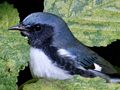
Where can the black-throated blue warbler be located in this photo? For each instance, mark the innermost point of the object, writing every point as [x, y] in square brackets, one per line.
[56, 53]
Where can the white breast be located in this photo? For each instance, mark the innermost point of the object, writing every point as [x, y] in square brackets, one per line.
[42, 66]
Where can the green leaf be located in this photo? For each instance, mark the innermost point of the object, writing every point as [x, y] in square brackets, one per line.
[76, 83]
[93, 22]
[13, 48]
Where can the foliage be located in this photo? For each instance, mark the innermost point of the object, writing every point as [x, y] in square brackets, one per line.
[76, 83]
[93, 22]
[13, 48]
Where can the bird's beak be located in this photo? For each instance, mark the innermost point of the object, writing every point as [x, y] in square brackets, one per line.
[19, 27]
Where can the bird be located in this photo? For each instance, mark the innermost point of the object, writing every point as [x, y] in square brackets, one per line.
[56, 53]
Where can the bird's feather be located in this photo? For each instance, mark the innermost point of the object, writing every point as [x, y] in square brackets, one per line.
[87, 58]
[56, 53]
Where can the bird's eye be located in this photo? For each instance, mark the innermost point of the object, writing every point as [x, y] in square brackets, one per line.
[37, 27]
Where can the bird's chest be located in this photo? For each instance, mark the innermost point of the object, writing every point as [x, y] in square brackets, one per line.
[42, 66]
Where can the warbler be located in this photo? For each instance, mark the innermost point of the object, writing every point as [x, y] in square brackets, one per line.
[56, 53]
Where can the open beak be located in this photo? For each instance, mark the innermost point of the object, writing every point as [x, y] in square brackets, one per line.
[19, 27]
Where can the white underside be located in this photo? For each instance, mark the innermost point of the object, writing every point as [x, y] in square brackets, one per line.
[42, 66]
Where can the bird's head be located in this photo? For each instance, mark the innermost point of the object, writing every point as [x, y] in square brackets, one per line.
[42, 27]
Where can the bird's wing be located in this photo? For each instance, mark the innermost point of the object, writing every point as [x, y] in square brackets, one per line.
[106, 66]
[90, 60]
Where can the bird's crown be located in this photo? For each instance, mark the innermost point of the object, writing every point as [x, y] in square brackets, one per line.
[44, 18]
